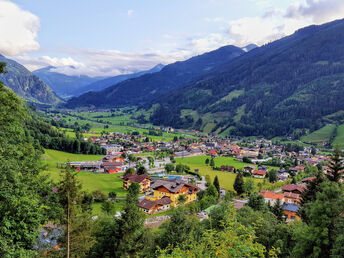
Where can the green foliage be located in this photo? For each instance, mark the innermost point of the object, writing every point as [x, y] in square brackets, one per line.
[169, 167]
[108, 207]
[130, 171]
[239, 184]
[99, 196]
[256, 202]
[272, 176]
[216, 183]
[336, 166]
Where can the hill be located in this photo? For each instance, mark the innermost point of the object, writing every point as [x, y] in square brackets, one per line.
[151, 86]
[64, 85]
[26, 84]
[280, 88]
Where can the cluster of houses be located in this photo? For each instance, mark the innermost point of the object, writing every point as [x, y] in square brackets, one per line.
[161, 194]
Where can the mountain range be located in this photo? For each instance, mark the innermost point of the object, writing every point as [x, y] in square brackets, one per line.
[280, 88]
[67, 86]
[150, 86]
[26, 84]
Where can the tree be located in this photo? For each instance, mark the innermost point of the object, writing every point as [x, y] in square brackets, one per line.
[130, 171]
[112, 196]
[216, 183]
[212, 191]
[257, 202]
[272, 176]
[98, 196]
[336, 166]
[107, 207]
[141, 170]
[77, 238]
[169, 167]
[249, 186]
[239, 184]
[131, 228]
[212, 162]
[207, 161]
[277, 210]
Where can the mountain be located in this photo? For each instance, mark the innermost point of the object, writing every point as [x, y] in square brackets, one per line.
[105, 83]
[281, 88]
[150, 86]
[249, 47]
[26, 84]
[64, 85]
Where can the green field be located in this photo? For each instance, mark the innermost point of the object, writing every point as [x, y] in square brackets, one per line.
[322, 135]
[90, 181]
[226, 179]
[339, 140]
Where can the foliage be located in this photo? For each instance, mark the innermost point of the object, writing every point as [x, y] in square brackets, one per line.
[336, 166]
[216, 183]
[239, 184]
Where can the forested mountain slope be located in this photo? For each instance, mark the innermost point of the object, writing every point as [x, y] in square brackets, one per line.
[147, 87]
[26, 84]
[290, 84]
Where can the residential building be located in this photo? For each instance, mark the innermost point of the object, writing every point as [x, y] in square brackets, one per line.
[151, 207]
[272, 197]
[290, 210]
[143, 180]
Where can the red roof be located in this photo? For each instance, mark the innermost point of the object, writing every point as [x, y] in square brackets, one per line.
[259, 172]
[271, 195]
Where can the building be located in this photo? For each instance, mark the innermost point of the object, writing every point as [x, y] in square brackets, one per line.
[151, 207]
[290, 210]
[298, 189]
[143, 180]
[272, 197]
[293, 198]
[173, 189]
[259, 173]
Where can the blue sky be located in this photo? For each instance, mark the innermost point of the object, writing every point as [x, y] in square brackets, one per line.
[110, 37]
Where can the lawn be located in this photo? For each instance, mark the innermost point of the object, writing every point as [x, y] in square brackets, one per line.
[339, 140]
[226, 179]
[321, 135]
[90, 181]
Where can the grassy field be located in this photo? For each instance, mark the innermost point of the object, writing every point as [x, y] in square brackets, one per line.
[321, 135]
[226, 179]
[90, 181]
[339, 140]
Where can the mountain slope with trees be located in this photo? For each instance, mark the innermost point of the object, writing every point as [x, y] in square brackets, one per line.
[277, 89]
[151, 86]
[26, 84]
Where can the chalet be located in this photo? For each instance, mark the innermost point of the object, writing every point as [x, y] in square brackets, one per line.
[290, 211]
[293, 198]
[143, 180]
[272, 197]
[297, 169]
[308, 180]
[249, 168]
[151, 207]
[298, 189]
[173, 189]
[259, 173]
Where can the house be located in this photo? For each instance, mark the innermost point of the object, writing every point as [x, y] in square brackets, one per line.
[112, 167]
[308, 180]
[151, 207]
[271, 197]
[290, 210]
[293, 198]
[173, 189]
[249, 168]
[298, 189]
[112, 148]
[259, 173]
[143, 180]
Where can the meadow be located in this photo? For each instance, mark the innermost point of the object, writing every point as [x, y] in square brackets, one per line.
[339, 140]
[322, 135]
[226, 179]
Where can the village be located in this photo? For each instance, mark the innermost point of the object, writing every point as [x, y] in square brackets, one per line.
[164, 185]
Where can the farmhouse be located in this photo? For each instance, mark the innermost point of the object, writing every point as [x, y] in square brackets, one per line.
[272, 197]
[298, 189]
[143, 180]
[259, 173]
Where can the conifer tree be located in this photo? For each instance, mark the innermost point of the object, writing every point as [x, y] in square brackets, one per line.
[239, 184]
[336, 166]
[216, 183]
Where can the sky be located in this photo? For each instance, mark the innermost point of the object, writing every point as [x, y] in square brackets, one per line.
[112, 37]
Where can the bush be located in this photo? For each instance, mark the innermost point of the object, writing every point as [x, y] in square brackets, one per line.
[98, 196]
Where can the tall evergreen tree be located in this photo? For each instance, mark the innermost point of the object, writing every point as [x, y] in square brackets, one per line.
[336, 166]
[239, 183]
[216, 183]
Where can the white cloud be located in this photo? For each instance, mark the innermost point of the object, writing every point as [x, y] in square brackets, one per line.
[216, 19]
[212, 41]
[130, 12]
[18, 29]
[277, 23]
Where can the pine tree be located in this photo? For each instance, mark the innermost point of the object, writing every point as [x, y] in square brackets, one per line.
[132, 231]
[212, 163]
[336, 166]
[277, 209]
[216, 183]
[239, 184]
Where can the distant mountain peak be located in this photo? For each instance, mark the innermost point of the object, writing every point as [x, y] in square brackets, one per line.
[249, 47]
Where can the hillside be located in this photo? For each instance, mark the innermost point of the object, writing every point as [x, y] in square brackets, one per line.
[294, 83]
[64, 85]
[150, 86]
[26, 84]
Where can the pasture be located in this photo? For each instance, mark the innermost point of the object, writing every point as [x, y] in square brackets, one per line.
[322, 135]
